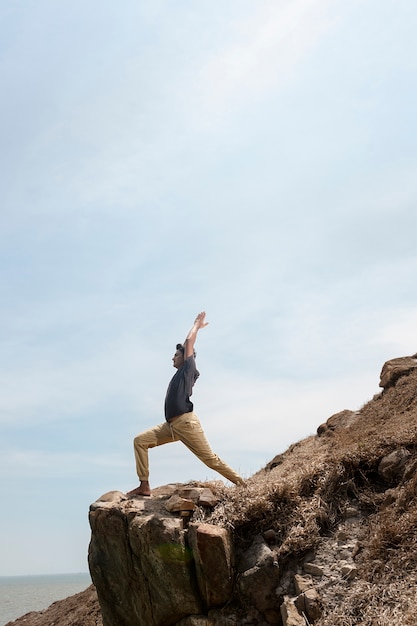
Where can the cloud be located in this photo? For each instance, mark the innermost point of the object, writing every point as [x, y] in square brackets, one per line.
[55, 386]
[38, 463]
[266, 48]
[397, 335]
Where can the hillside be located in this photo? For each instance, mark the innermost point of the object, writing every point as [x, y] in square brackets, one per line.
[330, 500]
[326, 532]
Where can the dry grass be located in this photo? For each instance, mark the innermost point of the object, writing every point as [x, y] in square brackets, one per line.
[304, 497]
[372, 604]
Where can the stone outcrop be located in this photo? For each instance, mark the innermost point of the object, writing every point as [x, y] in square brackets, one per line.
[259, 575]
[153, 567]
[212, 549]
[150, 567]
[158, 562]
[343, 419]
[393, 369]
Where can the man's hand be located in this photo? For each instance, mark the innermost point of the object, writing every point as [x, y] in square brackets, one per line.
[200, 320]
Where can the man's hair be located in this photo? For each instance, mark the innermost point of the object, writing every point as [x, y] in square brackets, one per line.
[180, 347]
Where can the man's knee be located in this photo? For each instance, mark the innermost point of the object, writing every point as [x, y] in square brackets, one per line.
[145, 440]
[138, 441]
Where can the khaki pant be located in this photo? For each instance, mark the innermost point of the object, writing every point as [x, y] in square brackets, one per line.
[185, 428]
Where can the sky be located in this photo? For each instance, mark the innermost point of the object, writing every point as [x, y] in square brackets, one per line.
[255, 159]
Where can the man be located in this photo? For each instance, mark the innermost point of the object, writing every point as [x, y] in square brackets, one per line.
[181, 423]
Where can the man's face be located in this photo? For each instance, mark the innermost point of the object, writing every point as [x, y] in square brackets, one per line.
[178, 359]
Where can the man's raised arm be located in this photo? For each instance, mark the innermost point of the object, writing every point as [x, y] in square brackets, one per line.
[199, 322]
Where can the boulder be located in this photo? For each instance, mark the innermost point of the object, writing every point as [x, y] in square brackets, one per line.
[308, 603]
[152, 569]
[213, 556]
[343, 419]
[177, 503]
[302, 583]
[270, 536]
[289, 613]
[259, 575]
[313, 569]
[199, 496]
[393, 369]
[392, 466]
[257, 555]
[207, 499]
[277, 460]
[258, 585]
[141, 566]
[112, 496]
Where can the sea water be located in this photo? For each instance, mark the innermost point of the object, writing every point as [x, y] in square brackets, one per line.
[21, 594]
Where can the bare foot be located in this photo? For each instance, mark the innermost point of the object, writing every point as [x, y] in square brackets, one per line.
[143, 490]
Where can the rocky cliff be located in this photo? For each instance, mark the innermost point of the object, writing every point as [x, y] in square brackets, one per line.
[326, 533]
[315, 537]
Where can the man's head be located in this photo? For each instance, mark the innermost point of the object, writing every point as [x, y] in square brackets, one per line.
[178, 358]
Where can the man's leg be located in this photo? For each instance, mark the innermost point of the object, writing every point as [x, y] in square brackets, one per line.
[156, 436]
[188, 429]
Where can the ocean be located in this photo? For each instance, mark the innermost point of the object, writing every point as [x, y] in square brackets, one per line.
[22, 594]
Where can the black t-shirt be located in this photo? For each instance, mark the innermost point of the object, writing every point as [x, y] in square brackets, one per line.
[177, 399]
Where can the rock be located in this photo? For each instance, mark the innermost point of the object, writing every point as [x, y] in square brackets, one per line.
[348, 571]
[207, 498]
[213, 555]
[166, 490]
[302, 583]
[219, 617]
[289, 613]
[194, 620]
[343, 419]
[277, 460]
[410, 470]
[270, 536]
[192, 493]
[285, 586]
[112, 496]
[392, 466]
[258, 585]
[258, 554]
[213, 619]
[203, 496]
[177, 503]
[141, 567]
[309, 603]
[148, 570]
[271, 616]
[393, 369]
[345, 554]
[259, 575]
[313, 569]
[309, 557]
